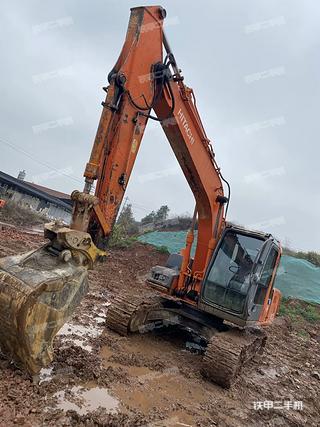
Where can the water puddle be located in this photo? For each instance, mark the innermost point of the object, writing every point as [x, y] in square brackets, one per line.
[84, 400]
[134, 371]
[45, 375]
[79, 330]
[100, 319]
[80, 343]
[79, 334]
[155, 390]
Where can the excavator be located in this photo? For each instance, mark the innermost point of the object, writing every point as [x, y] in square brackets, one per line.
[223, 295]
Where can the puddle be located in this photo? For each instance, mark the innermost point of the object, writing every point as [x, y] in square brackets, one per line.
[80, 343]
[148, 347]
[100, 319]
[134, 371]
[80, 330]
[84, 400]
[157, 389]
[45, 375]
[80, 333]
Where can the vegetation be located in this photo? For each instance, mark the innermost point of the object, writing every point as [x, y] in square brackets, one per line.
[310, 256]
[126, 221]
[300, 310]
[120, 238]
[126, 229]
[156, 217]
[148, 219]
[163, 249]
[162, 213]
[159, 220]
[13, 213]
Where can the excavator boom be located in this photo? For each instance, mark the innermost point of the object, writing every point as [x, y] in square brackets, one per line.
[146, 78]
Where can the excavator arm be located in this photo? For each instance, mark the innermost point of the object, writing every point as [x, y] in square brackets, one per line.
[146, 79]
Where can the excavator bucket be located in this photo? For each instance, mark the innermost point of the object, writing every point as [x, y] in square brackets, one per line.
[39, 291]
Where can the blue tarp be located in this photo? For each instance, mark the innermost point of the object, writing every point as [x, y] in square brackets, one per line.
[296, 278]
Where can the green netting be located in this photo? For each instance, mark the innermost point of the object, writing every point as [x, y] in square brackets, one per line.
[296, 278]
[173, 240]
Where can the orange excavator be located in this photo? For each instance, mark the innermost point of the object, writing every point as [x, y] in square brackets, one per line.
[223, 295]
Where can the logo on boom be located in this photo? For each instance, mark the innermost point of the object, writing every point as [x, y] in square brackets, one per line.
[187, 129]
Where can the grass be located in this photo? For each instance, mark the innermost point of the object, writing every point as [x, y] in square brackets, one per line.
[297, 310]
[303, 333]
[163, 249]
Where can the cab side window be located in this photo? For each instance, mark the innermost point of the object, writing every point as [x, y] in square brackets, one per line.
[266, 275]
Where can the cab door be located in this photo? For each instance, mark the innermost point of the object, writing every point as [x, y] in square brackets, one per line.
[261, 292]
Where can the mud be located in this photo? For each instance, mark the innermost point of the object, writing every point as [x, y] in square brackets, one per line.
[99, 378]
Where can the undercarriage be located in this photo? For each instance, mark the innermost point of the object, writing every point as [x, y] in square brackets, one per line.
[224, 349]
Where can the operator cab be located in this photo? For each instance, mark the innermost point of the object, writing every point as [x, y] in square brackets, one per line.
[238, 284]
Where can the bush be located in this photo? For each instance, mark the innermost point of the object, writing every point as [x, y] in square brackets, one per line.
[163, 249]
[119, 238]
[17, 215]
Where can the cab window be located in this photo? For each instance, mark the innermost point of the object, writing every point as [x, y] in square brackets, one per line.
[265, 276]
[228, 280]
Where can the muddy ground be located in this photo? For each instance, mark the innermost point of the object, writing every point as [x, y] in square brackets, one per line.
[101, 379]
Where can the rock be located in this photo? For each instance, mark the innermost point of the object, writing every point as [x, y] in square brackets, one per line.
[316, 375]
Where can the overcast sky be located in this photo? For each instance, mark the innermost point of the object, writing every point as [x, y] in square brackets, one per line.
[254, 67]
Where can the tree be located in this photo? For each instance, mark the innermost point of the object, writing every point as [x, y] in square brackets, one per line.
[162, 213]
[148, 218]
[126, 220]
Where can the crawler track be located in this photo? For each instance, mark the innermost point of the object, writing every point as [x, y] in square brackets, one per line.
[228, 352]
[126, 310]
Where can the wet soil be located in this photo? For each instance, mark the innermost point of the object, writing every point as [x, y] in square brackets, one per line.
[99, 378]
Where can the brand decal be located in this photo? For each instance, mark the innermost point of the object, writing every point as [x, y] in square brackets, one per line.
[186, 127]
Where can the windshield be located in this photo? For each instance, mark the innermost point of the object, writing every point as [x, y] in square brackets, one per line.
[228, 281]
